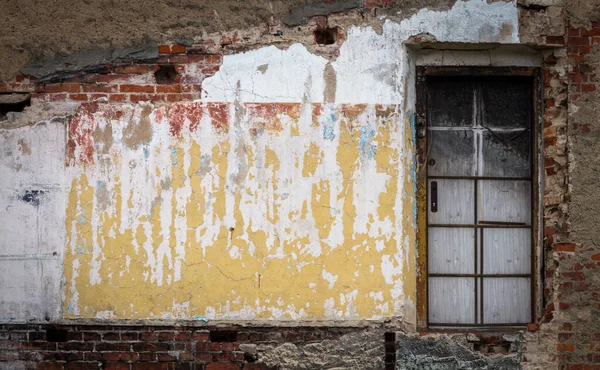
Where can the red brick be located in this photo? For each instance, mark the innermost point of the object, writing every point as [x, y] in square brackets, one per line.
[203, 357]
[100, 88]
[132, 69]
[555, 40]
[59, 88]
[222, 366]
[150, 366]
[101, 347]
[564, 305]
[533, 327]
[200, 336]
[165, 357]
[49, 366]
[168, 88]
[129, 356]
[136, 88]
[573, 275]
[117, 97]
[590, 32]
[183, 336]
[81, 366]
[578, 40]
[588, 87]
[178, 49]
[111, 356]
[565, 347]
[564, 247]
[78, 97]
[115, 366]
[164, 49]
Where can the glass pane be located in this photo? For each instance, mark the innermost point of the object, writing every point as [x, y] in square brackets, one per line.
[454, 200]
[507, 102]
[506, 154]
[506, 251]
[451, 250]
[450, 102]
[506, 300]
[451, 153]
[504, 201]
[451, 300]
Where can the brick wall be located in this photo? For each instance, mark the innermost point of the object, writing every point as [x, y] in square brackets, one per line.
[132, 82]
[569, 333]
[139, 347]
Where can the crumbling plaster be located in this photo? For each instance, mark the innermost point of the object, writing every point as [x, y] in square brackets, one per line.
[265, 173]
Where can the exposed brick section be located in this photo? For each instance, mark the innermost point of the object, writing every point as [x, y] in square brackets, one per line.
[129, 82]
[568, 336]
[146, 347]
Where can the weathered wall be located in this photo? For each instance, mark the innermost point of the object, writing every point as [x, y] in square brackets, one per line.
[271, 179]
[285, 193]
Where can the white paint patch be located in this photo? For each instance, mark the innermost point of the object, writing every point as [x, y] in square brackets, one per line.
[290, 74]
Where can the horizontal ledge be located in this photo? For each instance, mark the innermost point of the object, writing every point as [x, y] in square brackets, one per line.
[528, 276]
[433, 177]
[483, 226]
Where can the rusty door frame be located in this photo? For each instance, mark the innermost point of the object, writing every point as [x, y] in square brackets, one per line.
[537, 183]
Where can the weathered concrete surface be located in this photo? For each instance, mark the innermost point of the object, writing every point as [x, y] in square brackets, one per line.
[87, 61]
[69, 30]
[454, 352]
[360, 350]
[301, 14]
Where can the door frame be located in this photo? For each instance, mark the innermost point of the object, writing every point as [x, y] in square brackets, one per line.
[422, 72]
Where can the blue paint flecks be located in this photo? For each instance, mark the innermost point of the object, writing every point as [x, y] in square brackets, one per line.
[200, 318]
[174, 156]
[285, 195]
[204, 161]
[328, 132]
[367, 148]
[146, 152]
[81, 249]
[70, 308]
[329, 125]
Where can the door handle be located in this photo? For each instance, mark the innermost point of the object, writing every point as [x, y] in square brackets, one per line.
[434, 196]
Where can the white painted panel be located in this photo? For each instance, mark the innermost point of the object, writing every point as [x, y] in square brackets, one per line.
[33, 155]
[451, 250]
[505, 201]
[455, 202]
[30, 223]
[451, 300]
[506, 300]
[507, 251]
[30, 289]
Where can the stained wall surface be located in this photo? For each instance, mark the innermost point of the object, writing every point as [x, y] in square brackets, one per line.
[285, 192]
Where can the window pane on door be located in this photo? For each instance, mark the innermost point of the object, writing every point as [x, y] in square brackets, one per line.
[455, 203]
[451, 153]
[451, 300]
[451, 102]
[506, 154]
[506, 251]
[506, 103]
[506, 300]
[504, 201]
[451, 250]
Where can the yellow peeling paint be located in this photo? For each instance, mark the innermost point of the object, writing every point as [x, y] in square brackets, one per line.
[269, 231]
